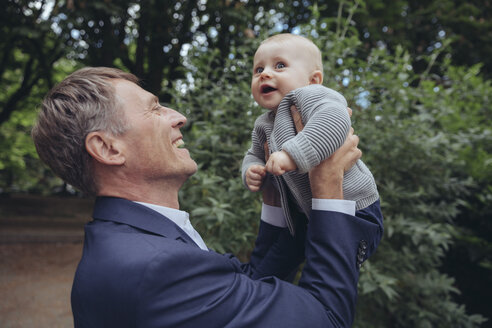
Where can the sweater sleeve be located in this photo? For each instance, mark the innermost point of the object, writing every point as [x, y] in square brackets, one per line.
[326, 124]
[256, 154]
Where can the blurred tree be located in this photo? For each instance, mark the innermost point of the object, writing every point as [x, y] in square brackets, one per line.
[150, 37]
[28, 51]
[30, 56]
[469, 260]
[421, 26]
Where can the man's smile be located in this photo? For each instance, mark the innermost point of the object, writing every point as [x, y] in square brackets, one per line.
[178, 143]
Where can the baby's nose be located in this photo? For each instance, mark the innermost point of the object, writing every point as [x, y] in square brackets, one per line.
[266, 73]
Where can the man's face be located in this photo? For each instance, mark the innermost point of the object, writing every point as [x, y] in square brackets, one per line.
[279, 67]
[152, 142]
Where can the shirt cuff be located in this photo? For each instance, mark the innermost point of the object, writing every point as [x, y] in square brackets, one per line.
[273, 215]
[334, 205]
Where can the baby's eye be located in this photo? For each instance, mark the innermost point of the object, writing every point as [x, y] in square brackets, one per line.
[280, 65]
[258, 70]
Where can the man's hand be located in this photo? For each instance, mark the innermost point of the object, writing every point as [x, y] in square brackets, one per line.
[280, 162]
[327, 178]
[255, 175]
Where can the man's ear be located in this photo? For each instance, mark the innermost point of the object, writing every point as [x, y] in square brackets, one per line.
[316, 77]
[104, 148]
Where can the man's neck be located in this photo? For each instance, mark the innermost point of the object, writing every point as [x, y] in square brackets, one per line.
[164, 194]
[118, 182]
[162, 199]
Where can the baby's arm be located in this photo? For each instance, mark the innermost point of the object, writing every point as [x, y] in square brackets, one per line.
[253, 167]
[280, 162]
[327, 124]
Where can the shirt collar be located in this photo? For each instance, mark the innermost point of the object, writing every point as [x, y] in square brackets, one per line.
[177, 216]
[127, 212]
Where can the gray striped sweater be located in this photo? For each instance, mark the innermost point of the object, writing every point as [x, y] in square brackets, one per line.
[326, 126]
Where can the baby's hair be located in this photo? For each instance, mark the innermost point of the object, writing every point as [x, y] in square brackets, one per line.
[310, 46]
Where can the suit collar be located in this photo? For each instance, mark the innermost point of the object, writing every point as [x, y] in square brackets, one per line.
[130, 213]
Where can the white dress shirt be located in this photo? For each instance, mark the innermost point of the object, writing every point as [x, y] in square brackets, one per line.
[182, 220]
[269, 214]
[275, 215]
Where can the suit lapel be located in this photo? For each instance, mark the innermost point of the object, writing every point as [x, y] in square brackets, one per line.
[136, 215]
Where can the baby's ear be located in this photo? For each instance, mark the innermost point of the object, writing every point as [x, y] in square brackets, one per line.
[316, 77]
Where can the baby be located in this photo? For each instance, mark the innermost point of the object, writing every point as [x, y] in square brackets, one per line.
[288, 71]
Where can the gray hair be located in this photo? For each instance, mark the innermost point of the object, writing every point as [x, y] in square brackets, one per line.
[82, 103]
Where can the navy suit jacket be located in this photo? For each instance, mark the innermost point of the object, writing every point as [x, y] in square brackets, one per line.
[139, 269]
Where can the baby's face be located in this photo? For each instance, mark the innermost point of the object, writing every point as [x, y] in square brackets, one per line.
[279, 67]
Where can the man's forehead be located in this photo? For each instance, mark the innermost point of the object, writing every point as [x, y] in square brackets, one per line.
[127, 92]
[123, 84]
[125, 87]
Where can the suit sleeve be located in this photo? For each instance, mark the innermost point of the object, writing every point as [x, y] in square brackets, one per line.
[209, 290]
[276, 253]
[373, 214]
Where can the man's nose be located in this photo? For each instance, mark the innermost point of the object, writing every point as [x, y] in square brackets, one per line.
[178, 120]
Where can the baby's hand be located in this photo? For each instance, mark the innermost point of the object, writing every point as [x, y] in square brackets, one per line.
[280, 162]
[255, 174]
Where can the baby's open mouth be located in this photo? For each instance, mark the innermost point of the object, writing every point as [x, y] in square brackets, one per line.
[267, 89]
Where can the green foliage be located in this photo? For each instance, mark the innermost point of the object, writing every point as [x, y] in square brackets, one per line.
[421, 26]
[29, 48]
[20, 168]
[417, 151]
[148, 38]
[17, 146]
[221, 113]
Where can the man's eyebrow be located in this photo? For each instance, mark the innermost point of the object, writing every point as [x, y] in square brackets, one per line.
[153, 100]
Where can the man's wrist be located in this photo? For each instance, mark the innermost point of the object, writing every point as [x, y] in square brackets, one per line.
[330, 187]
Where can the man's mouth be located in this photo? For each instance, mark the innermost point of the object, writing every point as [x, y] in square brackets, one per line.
[179, 143]
[267, 89]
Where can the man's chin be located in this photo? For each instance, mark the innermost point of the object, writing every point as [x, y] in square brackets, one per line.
[188, 173]
[193, 168]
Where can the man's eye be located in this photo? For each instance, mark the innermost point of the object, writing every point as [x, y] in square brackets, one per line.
[258, 70]
[280, 65]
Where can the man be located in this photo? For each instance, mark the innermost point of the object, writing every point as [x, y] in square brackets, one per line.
[143, 265]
